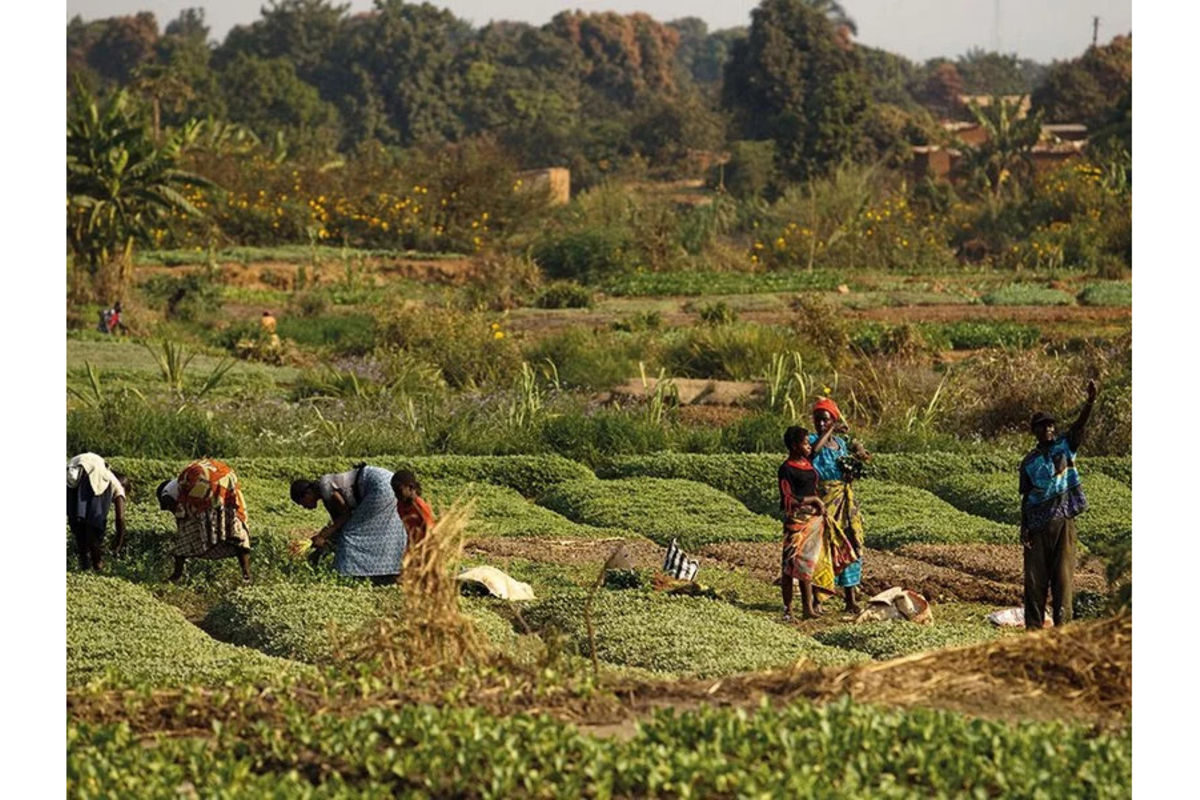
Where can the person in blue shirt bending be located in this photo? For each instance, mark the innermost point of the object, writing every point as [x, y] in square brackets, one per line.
[1051, 498]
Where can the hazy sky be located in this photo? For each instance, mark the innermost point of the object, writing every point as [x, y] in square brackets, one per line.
[919, 29]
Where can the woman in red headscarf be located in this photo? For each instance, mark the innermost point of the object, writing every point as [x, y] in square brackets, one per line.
[844, 522]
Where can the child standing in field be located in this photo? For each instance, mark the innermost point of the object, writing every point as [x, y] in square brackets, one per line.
[412, 508]
[806, 554]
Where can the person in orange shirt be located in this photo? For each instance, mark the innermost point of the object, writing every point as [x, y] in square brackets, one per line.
[414, 511]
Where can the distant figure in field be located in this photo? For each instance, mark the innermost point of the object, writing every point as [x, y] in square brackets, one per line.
[268, 337]
[367, 535]
[1051, 498]
[412, 508]
[210, 515]
[806, 554]
[844, 520]
[110, 320]
[91, 489]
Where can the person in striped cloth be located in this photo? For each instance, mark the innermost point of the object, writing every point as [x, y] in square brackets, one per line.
[843, 521]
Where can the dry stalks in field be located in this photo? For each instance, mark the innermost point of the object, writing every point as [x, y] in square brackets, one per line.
[431, 633]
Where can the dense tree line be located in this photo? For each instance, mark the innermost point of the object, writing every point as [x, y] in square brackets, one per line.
[596, 92]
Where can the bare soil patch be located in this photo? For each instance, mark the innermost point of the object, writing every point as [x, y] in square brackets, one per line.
[1000, 562]
[696, 391]
[282, 274]
[881, 571]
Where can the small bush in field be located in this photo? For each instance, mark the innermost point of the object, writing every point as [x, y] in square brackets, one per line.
[564, 294]
[1026, 294]
[1116, 293]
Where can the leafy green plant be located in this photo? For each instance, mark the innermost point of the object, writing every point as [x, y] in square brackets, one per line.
[661, 509]
[720, 639]
[1107, 294]
[1026, 294]
[718, 313]
[456, 751]
[564, 294]
[895, 638]
[119, 633]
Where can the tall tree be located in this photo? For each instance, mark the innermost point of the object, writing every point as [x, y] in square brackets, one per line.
[797, 81]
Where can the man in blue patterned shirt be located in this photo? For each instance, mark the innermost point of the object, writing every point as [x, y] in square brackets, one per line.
[1051, 498]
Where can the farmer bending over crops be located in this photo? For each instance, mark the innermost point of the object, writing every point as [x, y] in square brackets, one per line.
[91, 488]
[412, 508]
[367, 535]
[835, 463]
[1051, 498]
[210, 515]
[806, 555]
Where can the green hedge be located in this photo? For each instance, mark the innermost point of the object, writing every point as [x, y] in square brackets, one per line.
[120, 633]
[837, 749]
[1027, 294]
[529, 475]
[896, 515]
[891, 639]
[750, 477]
[661, 509]
[1114, 293]
[994, 496]
[500, 511]
[677, 635]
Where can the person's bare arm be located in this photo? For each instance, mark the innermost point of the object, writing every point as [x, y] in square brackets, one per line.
[1075, 434]
[815, 502]
[823, 441]
[339, 513]
[119, 510]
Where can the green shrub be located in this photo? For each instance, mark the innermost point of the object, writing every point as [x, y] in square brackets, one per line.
[1116, 467]
[591, 437]
[119, 633]
[750, 171]
[146, 429]
[1116, 293]
[470, 348]
[349, 334]
[967, 335]
[718, 313]
[1025, 294]
[564, 294]
[586, 359]
[661, 509]
[587, 255]
[677, 635]
[894, 638]
[836, 749]
[186, 297]
[727, 352]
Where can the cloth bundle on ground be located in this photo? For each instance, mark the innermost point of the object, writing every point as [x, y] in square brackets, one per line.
[897, 603]
[497, 583]
[210, 513]
[1014, 618]
[678, 565]
[373, 540]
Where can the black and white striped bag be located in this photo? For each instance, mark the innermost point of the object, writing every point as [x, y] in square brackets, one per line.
[678, 565]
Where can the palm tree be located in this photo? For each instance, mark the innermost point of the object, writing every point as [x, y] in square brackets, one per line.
[119, 181]
[1004, 158]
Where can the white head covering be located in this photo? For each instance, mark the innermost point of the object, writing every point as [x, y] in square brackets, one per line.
[171, 490]
[98, 474]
